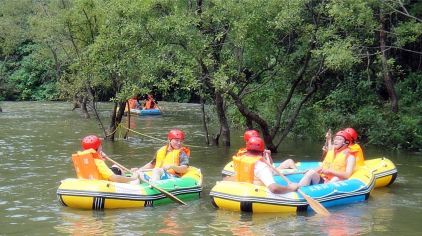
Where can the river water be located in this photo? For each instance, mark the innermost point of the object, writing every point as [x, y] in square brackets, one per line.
[38, 138]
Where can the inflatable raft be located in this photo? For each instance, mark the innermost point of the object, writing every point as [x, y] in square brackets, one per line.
[145, 112]
[150, 112]
[241, 196]
[101, 194]
[384, 170]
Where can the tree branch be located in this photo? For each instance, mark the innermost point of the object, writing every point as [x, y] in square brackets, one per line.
[293, 118]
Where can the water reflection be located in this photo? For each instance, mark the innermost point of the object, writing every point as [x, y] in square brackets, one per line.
[248, 224]
[347, 222]
[80, 223]
[170, 224]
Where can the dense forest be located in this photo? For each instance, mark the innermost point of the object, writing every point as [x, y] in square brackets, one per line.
[290, 68]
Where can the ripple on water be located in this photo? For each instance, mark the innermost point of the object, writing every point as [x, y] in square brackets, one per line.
[17, 216]
[41, 218]
[12, 209]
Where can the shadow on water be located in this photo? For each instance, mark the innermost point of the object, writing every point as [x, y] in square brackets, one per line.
[38, 138]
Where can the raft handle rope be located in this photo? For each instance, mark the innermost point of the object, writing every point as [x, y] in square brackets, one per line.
[151, 137]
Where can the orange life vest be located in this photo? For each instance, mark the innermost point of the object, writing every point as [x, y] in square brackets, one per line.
[84, 163]
[163, 157]
[336, 161]
[244, 167]
[150, 104]
[241, 152]
[356, 151]
[131, 103]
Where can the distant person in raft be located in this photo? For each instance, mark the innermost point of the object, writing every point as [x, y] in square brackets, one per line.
[355, 148]
[252, 167]
[150, 103]
[170, 161]
[339, 163]
[112, 174]
[133, 103]
[287, 164]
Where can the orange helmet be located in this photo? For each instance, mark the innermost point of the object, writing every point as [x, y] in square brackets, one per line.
[176, 133]
[347, 137]
[91, 141]
[255, 144]
[352, 133]
[249, 134]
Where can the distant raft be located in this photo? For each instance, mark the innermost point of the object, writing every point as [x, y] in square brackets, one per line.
[241, 196]
[101, 194]
[384, 170]
[150, 112]
[145, 112]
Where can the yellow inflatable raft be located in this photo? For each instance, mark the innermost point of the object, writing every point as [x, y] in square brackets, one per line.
[101, 194]
[384, 170]
[241, 196]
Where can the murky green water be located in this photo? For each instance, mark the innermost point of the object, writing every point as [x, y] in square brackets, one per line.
[37, 139]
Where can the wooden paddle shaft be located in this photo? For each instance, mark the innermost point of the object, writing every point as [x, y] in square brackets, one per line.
[169, 195]
[315, 205]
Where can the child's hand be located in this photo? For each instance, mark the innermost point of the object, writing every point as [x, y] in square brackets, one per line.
[318, 170]
[166, 167]
[267, 153]
[135, 175]
[293, 186]
[326, 171]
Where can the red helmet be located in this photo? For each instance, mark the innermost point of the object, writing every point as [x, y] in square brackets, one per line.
[249, 134]
[347, 137]
[176, 133]
[91, 141]
[352, 133]
[255, 144]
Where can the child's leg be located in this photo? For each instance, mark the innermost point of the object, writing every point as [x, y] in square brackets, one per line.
[287, 164]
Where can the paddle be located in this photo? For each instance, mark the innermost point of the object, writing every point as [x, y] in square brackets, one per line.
[169, 195]
[156, 103]
[315, 205]
[327, 137]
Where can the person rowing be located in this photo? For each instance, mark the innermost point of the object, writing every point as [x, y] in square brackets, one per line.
[253, 167]
[112, 174]
[170, 161]
[339, 163]
[286, 164]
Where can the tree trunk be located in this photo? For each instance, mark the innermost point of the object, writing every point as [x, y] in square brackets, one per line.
[268, 139]
[116, 118]
[128, 120]
[113, 126]
[388, 81]
[249, 123]
[293, 118]
[56, 61]
[81, 102]
[225, 131]
[84, 107]
[216, 138]
[94, 109]
[204, 121]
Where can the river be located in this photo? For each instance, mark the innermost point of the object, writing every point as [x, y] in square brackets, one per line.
[38, 138]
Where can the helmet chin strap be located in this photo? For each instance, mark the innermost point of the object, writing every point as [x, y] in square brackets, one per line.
[342, 146]
[172, 147]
